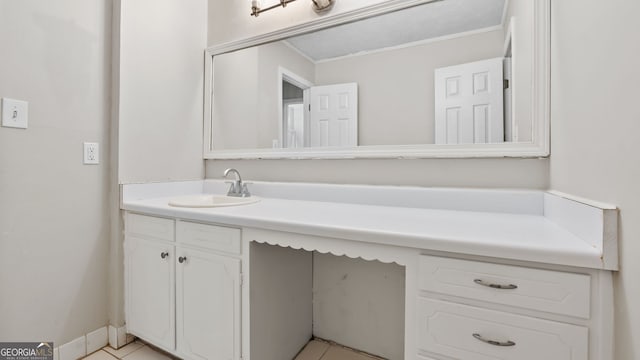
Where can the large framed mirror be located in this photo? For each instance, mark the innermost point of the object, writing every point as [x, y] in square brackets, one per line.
[399, 79]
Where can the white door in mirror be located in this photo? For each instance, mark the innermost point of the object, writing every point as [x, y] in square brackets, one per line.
[15, 113]
[334, 115]
[469, 103]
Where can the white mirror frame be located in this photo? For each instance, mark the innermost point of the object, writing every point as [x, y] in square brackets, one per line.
[538, 147]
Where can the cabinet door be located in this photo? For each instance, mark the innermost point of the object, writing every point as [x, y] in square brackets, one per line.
[208, 305]
[150, 291]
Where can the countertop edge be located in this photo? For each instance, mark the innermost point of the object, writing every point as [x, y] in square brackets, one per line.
[588, 257]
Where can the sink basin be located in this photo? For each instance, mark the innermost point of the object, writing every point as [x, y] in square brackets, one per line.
[209, 201]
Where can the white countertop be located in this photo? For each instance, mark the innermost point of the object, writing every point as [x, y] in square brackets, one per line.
[526, 237]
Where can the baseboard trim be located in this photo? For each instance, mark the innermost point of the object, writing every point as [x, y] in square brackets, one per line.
[118, 337]
[83, 345]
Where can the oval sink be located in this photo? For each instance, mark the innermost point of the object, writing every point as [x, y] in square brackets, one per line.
[207, 201]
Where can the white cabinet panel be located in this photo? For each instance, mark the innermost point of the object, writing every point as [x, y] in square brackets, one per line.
[209, 236]
[208, 305]
[150, 226]
[542, 290]
[458, 331]
[150, 291]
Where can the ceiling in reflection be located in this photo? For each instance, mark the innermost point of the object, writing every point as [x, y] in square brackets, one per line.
[438, 19]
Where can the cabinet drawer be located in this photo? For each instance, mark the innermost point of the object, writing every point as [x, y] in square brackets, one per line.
[465, 332]
[150, 226]
[209, 236]
[543, 290]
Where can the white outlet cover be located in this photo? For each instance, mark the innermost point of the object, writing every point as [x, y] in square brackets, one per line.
[91, 152]
[15, 113]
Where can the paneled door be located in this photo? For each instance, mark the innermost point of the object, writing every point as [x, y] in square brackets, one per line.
[469, 103]
[150, 291]
[207, 305]
[334, 115]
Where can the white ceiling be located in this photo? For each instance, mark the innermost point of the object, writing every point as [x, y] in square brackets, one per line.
[431, 20]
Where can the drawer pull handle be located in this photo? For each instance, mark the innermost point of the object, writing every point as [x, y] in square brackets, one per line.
[164, 255]
[493, 342]
[182, 259]
[495, 286]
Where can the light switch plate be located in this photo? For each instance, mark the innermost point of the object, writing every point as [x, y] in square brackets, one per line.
[15, 113]
[91, 153]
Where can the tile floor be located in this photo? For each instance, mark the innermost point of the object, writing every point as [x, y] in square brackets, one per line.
[137, 350]
[322, 350]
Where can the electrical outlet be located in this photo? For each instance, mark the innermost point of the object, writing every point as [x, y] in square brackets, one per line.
[15, 113]
[91, 153]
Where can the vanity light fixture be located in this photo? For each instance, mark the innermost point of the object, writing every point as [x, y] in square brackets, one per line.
[319, 6]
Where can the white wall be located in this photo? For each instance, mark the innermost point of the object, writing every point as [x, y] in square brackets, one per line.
[157, 112]
[237, 74]
[595, 124]
[161, 62]
[54, 219]
[475, 173]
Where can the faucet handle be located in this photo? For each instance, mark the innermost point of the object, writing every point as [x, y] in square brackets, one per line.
[245, 190]
[232, 187]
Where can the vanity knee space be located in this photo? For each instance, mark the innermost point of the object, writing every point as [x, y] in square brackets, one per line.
[298, 294]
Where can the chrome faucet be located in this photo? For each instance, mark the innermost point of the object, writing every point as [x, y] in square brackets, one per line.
[237, 188]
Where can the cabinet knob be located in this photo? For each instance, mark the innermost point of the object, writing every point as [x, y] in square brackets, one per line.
[495, 286]
[164, 255]
[182, 259]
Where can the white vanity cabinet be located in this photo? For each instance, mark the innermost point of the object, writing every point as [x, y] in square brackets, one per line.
[461, 278]
[182, 286]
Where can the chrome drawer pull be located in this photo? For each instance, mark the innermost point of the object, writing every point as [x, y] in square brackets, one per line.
[493, 342]
[495, 286]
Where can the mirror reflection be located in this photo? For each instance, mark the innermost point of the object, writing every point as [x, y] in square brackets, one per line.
[444, 72]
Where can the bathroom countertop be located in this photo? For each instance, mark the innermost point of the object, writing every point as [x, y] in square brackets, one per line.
[526, 237]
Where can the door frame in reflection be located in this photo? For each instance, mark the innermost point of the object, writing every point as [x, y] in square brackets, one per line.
[285, 75]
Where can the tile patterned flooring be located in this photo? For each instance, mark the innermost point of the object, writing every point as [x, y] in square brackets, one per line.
[323, 350]
[136, 350]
